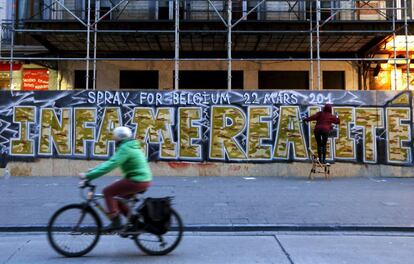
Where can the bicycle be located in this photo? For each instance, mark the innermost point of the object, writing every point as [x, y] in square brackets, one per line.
[74, 229]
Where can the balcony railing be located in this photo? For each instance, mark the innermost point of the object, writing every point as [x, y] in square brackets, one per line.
[269, 10]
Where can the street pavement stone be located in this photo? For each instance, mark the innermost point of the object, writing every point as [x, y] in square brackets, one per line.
[204, 201]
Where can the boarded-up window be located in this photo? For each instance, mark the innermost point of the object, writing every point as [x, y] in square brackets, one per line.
[333, 80]
[138, 79]
[80, 80]
[284, 80]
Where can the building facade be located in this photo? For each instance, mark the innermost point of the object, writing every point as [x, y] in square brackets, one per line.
[269, 44]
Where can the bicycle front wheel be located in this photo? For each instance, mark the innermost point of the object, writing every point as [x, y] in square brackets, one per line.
[158, 245]
[74, 230]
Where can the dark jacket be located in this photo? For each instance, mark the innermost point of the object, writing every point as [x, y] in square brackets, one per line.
[324, 119]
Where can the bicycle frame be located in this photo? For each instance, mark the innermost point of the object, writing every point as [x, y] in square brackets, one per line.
[93, 198]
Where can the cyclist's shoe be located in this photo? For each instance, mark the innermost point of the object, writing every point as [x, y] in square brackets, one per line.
[126, 231]
[114, 225]
[131, 228]
[136, 223]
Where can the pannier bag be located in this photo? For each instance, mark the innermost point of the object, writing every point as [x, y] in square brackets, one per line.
[157, 215]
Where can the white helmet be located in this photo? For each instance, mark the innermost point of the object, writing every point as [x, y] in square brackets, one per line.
[121, 133]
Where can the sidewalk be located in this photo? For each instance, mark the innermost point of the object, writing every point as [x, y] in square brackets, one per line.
[229, 248]
[235, 203]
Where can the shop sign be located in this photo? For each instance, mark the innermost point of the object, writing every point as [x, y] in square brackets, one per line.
[35, 79]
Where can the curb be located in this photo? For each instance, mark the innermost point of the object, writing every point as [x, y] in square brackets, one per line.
[297, 228]
[248, 228]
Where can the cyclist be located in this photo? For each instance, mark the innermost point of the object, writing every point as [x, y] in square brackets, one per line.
[324, 120]
[136, 174]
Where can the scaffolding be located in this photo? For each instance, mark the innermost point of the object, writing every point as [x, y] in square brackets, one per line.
[314, 12]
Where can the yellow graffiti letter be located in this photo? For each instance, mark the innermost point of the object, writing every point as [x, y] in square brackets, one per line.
[397, 134]
[110, 120]
[188, 131]
[156, 128]
[344, 144]
[24, 115]
[257, 131]
[53, 131]
[82, 133]
[290, 132]
[369, 119]
[227, 122]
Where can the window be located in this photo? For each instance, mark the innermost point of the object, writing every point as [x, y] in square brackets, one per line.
[80, 79]
[253, 14]
[163, 10]
[102, 11]
[237, 9]
[28, 9]
[284, 80]
[334, 80]
[326, 11]
[209, 79]
[138, 79]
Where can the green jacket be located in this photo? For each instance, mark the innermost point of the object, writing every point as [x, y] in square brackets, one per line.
[130, 158]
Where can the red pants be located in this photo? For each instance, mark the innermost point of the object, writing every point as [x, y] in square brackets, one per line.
[123, 188]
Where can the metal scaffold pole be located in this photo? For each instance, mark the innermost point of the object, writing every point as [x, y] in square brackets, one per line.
[193, 59]
[318, 55]
[95, 37]
[88, 43]
[311, 45]
[393, 44]
[177, 45]
[13, 21]
[229, 27]
[407, 55]
[1, 39]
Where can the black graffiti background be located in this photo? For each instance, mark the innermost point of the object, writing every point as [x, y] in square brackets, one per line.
[128, 100]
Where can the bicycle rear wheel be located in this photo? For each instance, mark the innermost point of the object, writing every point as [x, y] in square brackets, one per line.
[158, 245]
[74, 230]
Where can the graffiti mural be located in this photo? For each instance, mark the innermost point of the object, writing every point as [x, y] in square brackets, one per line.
[223, 126]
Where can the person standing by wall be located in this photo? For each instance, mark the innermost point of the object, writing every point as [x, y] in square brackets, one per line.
[324, 120]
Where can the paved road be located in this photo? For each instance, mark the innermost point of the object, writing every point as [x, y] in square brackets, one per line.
[226, 201]
[240, 248]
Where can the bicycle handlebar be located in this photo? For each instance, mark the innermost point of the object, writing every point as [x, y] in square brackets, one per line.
[87, 185]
